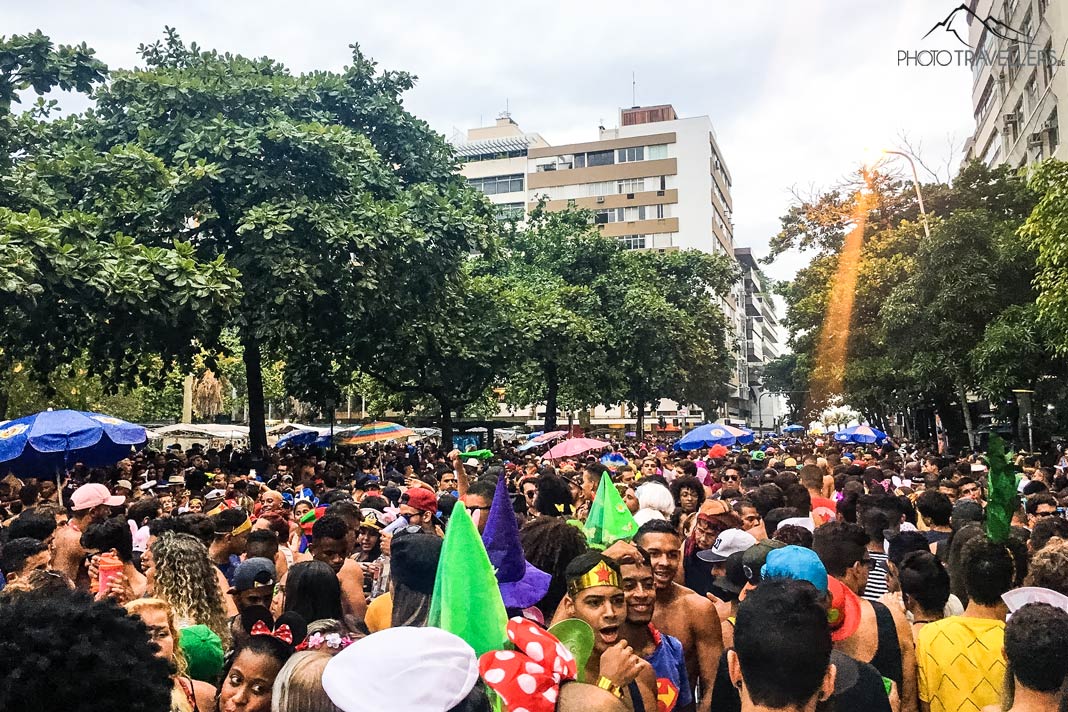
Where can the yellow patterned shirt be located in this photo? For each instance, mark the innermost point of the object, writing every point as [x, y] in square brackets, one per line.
[961, 664]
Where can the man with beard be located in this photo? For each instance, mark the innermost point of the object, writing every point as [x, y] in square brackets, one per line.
[681, 612]
[595, 595]
[663, 652]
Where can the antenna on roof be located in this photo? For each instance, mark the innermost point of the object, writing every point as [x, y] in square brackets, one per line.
[633, 89]
[506, 114]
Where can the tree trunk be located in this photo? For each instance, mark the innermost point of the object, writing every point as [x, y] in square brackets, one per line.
[552, 383]
[640, 429]
[257, 424]
[962, 393]
[446, 425]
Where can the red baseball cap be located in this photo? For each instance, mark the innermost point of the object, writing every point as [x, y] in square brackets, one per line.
[844, 612]
[422, 499]
[94, 495]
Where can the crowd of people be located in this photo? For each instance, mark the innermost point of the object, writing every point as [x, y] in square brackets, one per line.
[788, 574]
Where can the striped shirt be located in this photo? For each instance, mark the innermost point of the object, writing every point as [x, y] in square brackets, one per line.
[876, 577]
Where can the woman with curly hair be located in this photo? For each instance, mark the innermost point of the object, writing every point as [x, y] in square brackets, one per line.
[689, 495]
[179, 571]
[187, 694]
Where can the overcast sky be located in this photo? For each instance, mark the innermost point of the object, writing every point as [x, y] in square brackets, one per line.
[797, 91]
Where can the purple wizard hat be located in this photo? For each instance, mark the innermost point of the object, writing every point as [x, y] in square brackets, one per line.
[522, 585]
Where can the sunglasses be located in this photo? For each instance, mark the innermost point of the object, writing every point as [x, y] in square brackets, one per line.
[731, 478]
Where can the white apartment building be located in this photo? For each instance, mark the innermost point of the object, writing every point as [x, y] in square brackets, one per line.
[655, 182]
[495, 162]
[1019, 97]
[762, 343]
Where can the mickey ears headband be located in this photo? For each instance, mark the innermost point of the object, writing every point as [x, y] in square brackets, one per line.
[282, 632]
[530, 676]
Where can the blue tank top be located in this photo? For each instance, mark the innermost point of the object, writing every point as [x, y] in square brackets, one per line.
[669, 664]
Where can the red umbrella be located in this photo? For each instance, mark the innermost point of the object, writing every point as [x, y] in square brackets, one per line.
[574, 446]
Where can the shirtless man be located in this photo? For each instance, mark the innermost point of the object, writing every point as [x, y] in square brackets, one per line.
[662, 651]
[681, 612]
[594, 595]
[332, 544]
[90, 504]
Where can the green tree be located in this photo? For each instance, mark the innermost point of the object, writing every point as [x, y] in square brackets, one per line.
[341, 211]
[559, 259]
[967, 272]
[454, 350]
[77, 278]
[669, 336]
[1046, 231]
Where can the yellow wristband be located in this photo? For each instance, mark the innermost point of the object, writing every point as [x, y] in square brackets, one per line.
[605, 684]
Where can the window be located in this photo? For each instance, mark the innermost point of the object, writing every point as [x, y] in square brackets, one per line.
[1028, 26]
[493, 185]
[1042, 4]
[510, 211]
[629, 155]
[1047, 61]
[1010, 10]
[1031, 90]
[600, 189]
[656, 152]
[632, 242]
[1017, 125]
[610, 215]
[1052, 127]
[635, 213]
[1015, 60]
[984, 54]
[599, 158]
[580, 160]
[992, 150]
[985, 103]
[658, 211]
[494, 155]
[663, 182]
[631, 185]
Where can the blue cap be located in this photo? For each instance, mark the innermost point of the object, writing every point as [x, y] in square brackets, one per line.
[798, 563]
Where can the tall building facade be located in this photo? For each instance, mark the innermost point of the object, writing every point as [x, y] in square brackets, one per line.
[1020, 93]
[656, 181]
[763, 337]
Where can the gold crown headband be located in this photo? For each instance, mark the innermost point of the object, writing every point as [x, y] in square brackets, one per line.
[243, 527]
[599, 575]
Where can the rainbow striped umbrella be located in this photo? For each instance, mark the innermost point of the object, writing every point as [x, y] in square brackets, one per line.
[378, 431]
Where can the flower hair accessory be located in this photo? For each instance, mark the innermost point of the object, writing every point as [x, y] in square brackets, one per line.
[332, 641]
[529, 677]
[282, 632]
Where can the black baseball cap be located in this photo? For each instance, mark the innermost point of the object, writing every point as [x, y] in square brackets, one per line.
[754, 557]
[254, 572]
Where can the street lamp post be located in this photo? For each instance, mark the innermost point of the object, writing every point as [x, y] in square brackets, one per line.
[916, 185]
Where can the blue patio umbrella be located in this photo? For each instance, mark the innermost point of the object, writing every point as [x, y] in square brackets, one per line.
[44, 443]
[298, 438]
[860, 434]
[712, 434]
[794, 428]
[613, 458]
